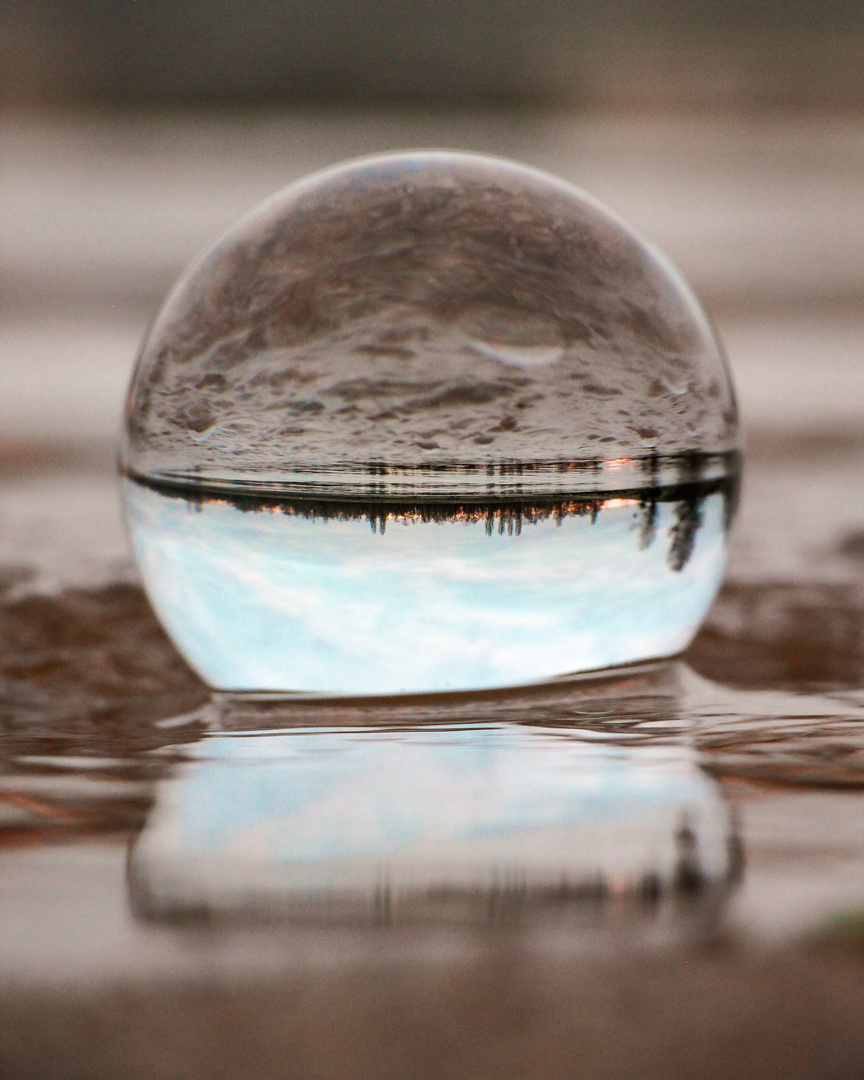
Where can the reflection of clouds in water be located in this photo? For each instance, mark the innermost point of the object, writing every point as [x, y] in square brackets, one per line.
[274, 601]
[418, 809]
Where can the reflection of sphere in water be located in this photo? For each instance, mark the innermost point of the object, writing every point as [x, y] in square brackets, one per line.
[431, 338]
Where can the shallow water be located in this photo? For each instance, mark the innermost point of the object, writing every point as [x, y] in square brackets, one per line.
[462, 822]
[710, 803]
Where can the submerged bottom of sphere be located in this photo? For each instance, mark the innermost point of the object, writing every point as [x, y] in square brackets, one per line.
[281, 596]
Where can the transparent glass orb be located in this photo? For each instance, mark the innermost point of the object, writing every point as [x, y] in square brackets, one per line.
[429, 421]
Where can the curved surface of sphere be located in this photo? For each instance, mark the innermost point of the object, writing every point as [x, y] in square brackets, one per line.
[452, 343]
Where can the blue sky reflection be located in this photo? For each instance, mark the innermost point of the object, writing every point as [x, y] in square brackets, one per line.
[273, 818]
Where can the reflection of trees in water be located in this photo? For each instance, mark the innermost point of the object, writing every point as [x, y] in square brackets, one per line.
[688, 875]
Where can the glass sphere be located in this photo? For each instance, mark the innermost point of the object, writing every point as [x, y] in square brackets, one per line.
[429, 421]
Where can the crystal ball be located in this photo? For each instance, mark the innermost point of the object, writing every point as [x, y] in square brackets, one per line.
[429, 421]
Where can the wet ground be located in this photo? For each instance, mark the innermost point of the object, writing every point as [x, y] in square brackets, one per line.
[669, 880]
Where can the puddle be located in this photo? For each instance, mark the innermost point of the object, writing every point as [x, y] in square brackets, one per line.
[465, 822]
[687, 815]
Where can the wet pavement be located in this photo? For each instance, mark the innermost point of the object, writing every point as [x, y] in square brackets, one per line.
[656, 874]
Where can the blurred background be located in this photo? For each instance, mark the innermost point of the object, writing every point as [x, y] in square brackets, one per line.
[134, 132]
[692, 53]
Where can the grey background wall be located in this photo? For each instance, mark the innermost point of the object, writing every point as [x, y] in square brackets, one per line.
[179, 52]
